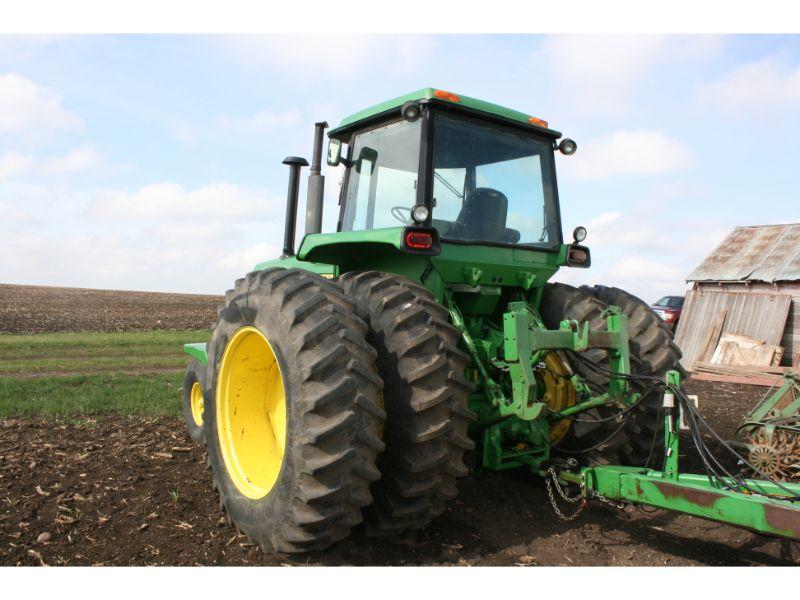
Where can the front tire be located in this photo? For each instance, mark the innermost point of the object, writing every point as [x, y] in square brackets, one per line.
[293, 411]
[193, 401]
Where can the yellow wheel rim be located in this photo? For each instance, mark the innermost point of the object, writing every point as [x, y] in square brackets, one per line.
[251, 413]
[196, 403]
[558, 392]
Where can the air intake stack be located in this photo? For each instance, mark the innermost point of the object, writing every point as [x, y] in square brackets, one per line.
[316, 183]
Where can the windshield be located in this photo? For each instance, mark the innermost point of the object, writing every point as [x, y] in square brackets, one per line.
[670, 302]
[492, 184]
[381, 182]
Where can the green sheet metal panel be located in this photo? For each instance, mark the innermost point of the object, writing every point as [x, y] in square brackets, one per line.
[429, 93]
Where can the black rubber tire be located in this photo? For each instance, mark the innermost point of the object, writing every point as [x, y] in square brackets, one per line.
[195, 373]
[652, 341]
[333, 403]
[652, 353]
[653, 346]
[426, 396]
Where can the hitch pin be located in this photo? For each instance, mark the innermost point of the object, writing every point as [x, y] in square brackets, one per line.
[669, 409]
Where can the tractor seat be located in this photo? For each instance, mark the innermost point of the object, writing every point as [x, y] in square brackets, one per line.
[483, 217]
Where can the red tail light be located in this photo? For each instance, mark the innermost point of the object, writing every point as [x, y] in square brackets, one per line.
[419, 240]
[578, 256]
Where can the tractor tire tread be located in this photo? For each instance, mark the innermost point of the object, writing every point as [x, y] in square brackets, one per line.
[333, 427]
[427, 415]
[652, 353]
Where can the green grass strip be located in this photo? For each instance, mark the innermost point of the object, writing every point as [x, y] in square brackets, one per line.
[9, 344]
[87, 352]
[119, 364]
[143, 394]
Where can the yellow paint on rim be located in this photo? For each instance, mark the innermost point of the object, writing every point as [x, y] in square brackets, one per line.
[558, 391]
[251, 413]
[196, 403]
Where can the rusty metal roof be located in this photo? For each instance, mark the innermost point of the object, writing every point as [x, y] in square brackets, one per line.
[765, 253]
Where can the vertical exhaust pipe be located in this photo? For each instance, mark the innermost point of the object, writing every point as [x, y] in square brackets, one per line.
[316, 183]
[295, 164]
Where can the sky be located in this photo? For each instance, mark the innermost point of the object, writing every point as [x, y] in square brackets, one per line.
[154, 162]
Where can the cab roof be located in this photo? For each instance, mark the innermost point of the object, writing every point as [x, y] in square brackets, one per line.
[430, 94]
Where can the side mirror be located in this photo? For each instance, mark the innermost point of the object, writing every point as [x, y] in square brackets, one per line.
[334, 152]
[370, 155]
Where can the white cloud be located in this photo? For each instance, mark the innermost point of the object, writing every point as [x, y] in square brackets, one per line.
[77, 159]
[600, 73]
[161, 237]
[650, 249]
[170, 201]
[242, 261]
[126, 261]
[12, 164]
[639, 152]
[310, 57]
[31, 110]
[759, 86]
[191, 231]
[641, 268]
[600, 69]
[261, 123]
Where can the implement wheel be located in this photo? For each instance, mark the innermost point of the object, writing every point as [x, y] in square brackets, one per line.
[426, 396]
[193, 401]
[652, 353]
[293, 411]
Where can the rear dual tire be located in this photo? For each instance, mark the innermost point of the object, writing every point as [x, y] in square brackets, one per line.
[426, 396]
[295, 474]
[323, 339]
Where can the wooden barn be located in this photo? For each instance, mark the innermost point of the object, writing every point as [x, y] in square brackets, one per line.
[747, 289]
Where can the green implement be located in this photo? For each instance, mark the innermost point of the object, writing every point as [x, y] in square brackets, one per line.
[766, 507]
[770, 434]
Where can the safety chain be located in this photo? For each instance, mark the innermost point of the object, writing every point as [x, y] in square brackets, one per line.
[607, 501]
[571, 500]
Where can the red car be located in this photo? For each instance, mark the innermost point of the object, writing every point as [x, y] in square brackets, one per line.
[669, 309]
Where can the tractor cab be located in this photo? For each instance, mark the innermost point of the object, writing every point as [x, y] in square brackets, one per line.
[431, 172]
[475, 172]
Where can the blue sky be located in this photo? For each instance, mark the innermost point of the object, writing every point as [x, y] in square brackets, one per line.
[153, 162]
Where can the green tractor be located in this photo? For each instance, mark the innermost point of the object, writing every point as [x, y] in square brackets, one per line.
[348, 380]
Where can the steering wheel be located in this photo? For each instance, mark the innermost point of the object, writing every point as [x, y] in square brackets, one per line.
[398, 214]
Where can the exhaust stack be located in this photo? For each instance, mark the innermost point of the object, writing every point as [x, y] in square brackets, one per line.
[316, 183]
[295, 164]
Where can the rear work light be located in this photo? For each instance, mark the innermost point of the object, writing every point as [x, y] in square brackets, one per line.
[421, 240]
